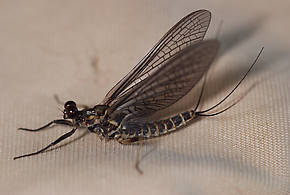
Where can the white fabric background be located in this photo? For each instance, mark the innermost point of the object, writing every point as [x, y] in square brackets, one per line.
[79, 49]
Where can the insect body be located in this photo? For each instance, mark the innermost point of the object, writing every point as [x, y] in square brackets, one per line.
[167, 73]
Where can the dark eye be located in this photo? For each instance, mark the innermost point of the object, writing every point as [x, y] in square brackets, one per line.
[70, 110]
[70, 104]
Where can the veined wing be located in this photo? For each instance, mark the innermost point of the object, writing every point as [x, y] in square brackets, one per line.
[189, 30]
[170, 82]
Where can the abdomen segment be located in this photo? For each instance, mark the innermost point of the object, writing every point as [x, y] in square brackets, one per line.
[155, 129]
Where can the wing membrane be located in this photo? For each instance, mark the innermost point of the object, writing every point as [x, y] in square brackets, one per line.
[189, 30]
[171, 82]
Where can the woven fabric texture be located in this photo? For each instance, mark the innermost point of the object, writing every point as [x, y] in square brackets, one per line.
[80, 49]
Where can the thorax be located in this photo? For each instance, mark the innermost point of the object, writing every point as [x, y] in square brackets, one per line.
[100, 122]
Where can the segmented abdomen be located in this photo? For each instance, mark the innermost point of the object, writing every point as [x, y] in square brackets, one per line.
[156, 128]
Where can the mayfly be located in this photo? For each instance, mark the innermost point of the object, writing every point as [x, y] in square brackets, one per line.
[167, 73]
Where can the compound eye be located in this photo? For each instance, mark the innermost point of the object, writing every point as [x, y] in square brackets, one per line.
[70, 104]
[70, 110]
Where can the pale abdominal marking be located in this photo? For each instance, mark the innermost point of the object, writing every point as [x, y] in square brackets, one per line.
[167, 73]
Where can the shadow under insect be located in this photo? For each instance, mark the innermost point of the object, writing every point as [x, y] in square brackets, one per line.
[166, 74]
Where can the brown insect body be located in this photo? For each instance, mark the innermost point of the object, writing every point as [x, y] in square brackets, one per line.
[167, 73]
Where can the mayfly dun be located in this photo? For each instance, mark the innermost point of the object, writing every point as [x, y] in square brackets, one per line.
[167, 73]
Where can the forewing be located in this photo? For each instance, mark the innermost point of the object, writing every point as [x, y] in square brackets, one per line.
[189, 30]
[171, 82]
